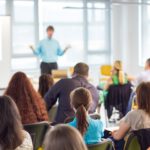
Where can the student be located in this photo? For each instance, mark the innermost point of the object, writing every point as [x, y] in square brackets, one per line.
[31, 106]
[90, 129]
[143, 76]
[46, 81]
[62, 89]
[63, 137]
[136, 119]
[118, 76]
[12, 135]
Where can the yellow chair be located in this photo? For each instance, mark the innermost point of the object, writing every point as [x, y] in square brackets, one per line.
[105, 72]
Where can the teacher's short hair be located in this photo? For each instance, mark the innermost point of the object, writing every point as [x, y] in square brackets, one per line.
[50, 28]
[81, 69]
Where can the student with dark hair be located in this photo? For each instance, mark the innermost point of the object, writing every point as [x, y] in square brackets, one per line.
[12, 135]
[143, 76]
[62, 89]
[46, 81]
[30, 104]
[91, 130]
[48, 50]
[136, 119]
[63, 137]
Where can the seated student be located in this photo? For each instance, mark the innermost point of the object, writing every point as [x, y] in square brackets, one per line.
[31, 106]
[90, 129]
[12, 135]
[143, 76]
[62, 89]
[118, 76]
[46, 81]
[136, 119]
[63, 137]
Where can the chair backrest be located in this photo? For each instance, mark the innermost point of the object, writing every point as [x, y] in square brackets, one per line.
[132, 143]
[59, 73]
[105, 70]
[37, 132]
[104, 145]
[52, 113]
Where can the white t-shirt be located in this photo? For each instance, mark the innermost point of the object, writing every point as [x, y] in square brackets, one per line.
[27, 143]
[137, 119]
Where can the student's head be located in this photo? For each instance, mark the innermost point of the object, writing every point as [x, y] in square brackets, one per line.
[143, 96]
[11, 135]
[81, 100]
[25, 96]
[81, 69]
[147, 64]
[63, 137]
[50, 31]
[117, 65]
[45, 82]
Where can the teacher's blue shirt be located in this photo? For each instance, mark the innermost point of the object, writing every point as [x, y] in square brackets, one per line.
[48, 50]
[94, 133]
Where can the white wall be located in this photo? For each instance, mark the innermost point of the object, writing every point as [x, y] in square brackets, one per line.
[125, 36]
[6, 51]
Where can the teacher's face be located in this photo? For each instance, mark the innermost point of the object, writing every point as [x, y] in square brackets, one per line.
[50, 33]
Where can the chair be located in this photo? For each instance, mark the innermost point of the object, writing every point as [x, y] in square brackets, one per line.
[52, 113]
[59, 73]
[105, 71]
[118, 97]
[132, 143]
[104, 145]
[138, 140]
[37, 132]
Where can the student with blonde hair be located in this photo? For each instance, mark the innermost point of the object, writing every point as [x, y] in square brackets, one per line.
[63, 137]
[90, 129]
[118, 76]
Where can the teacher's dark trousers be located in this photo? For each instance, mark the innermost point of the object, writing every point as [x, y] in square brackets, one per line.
[46, 68]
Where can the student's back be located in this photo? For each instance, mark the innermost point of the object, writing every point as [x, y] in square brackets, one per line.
[12, 135]
[61, 92]
[91, 130]
[30, 104]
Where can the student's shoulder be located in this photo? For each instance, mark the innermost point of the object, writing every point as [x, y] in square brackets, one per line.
[96, 122]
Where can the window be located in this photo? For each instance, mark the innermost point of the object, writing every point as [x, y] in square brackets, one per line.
[145, 33]
[68, 23]
[82, 24]
[23, 35]
[2, 7]
[98, 33]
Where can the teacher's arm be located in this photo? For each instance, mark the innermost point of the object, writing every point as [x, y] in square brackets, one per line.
[61, 52]
[36, 51]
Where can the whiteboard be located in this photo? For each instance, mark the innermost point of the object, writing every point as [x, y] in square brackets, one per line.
[5, 50]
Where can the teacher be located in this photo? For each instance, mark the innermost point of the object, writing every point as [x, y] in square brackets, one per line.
[48, 50]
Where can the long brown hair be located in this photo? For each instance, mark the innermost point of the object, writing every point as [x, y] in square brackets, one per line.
[11, 134]
[81, 99]
[63, 137]
[45, 82]
[31, 105]
[143, 97]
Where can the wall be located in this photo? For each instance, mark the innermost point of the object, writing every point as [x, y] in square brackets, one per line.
[6, 51]
[125, 36]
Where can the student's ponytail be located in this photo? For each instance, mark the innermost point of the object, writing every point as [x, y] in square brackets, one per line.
[80, 100]
[82, 123]
[121, 77]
